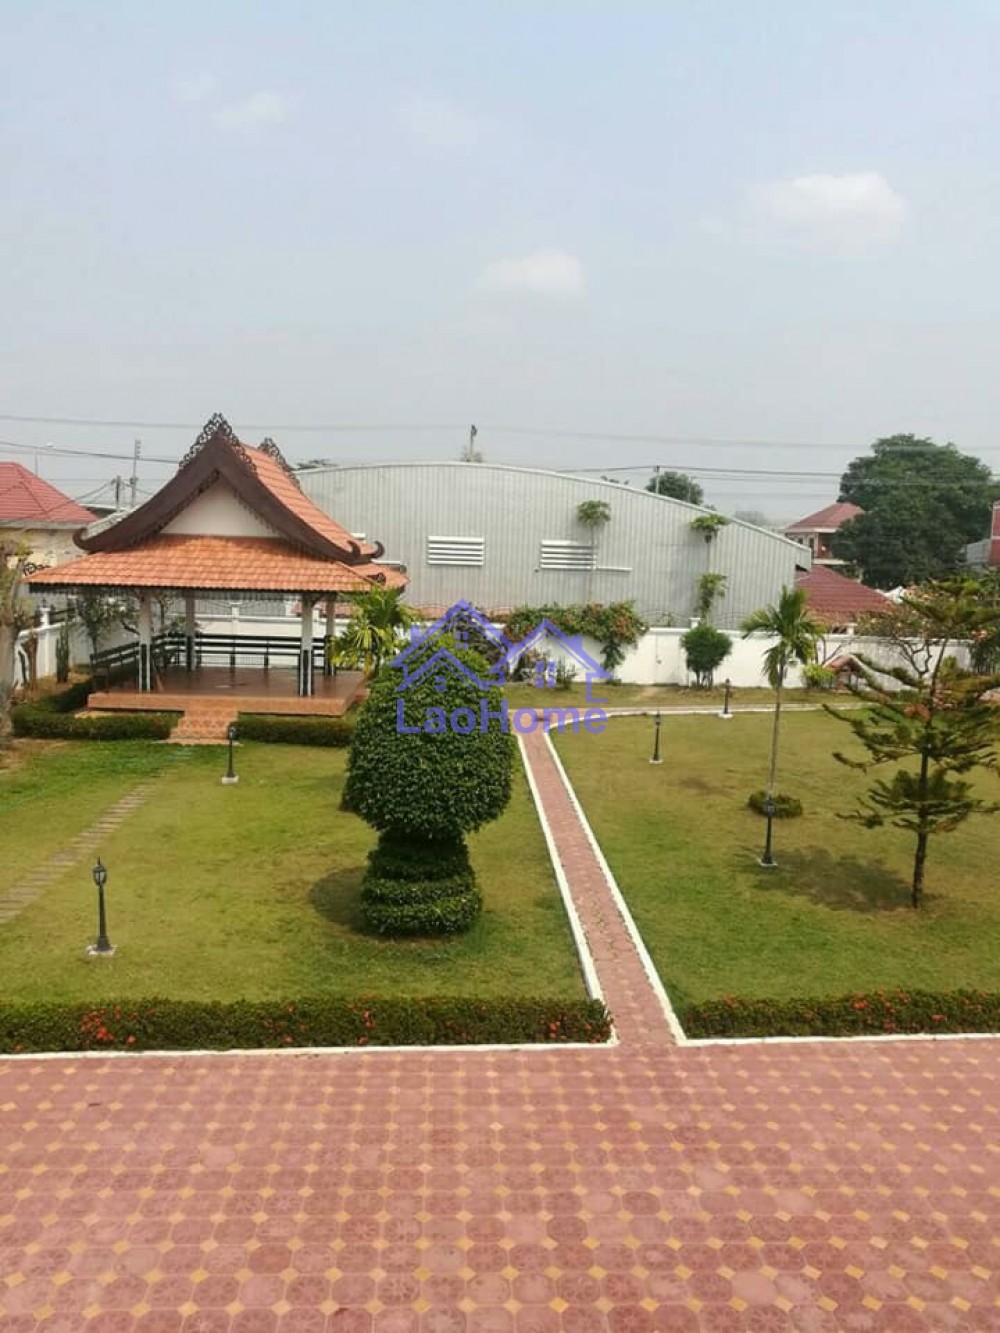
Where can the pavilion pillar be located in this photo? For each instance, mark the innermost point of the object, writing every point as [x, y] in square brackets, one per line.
[306, 648]
[145, 642]
[331, 626]
[189, 631]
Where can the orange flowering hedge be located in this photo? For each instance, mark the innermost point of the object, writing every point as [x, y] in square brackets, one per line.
[858, 1014]
[335, 1021]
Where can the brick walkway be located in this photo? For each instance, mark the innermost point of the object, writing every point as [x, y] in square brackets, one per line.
[812, 1187]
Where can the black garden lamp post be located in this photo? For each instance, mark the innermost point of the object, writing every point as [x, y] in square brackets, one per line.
[727, 687]
[231, 776]
[103, 945]
[656, 740]
[769, 807]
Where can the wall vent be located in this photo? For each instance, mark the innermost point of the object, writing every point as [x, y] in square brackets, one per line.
[455, 550]
[565, 555]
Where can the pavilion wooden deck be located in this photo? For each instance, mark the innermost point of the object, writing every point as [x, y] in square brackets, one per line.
[211, 697]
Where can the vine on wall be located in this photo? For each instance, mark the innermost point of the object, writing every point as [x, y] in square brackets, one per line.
[616, 627]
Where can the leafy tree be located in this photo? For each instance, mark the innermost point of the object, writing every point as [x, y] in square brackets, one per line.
[423, 790]
[372, 634]
[705, 648]
[923, 502]
[927, 716]
[678, 485]
[796, 636]
[15, 615]
[96, 613]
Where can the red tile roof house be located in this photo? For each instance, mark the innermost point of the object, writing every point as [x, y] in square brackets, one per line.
[838, 601]
[33, 512]
[232, 520]
[815, 530]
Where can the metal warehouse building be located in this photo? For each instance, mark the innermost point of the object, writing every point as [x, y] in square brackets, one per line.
[509, 536]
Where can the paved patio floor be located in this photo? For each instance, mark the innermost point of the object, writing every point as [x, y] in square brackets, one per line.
[808, 1186]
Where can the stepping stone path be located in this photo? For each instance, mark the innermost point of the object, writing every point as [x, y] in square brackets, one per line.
[84, 844]
[647, 1187]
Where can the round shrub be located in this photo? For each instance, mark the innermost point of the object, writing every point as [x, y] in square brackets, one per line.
[433, 785]
[705, 648]
[785, 807]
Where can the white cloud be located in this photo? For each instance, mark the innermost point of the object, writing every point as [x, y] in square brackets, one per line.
[194, 88]
[853, 208]
[261, 108]
[436, 123]
[543, 273]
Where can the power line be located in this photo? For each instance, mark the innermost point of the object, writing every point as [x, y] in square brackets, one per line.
[537, 432]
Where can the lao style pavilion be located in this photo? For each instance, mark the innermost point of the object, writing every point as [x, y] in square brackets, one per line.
[231, 523]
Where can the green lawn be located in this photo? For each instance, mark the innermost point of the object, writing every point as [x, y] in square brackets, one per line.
[52, 790]
[223, 892]
[526, 695]
[832, 918]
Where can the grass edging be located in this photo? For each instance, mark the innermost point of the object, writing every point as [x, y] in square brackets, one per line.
[331, 1021]
[872, 1013]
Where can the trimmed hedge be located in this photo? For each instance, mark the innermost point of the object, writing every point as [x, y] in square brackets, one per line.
[52, 718]
[164, 1025]
[419, 888]
[857, 1014]
[785, 806]
[274, 729]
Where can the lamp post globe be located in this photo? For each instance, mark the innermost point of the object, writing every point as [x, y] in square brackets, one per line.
[102, 945]
[767, 859]
[656, 739]
[230, 777]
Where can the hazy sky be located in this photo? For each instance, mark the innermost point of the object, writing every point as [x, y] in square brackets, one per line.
[761, 221]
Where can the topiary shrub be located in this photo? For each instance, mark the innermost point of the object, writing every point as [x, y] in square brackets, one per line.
[428, 764]
[705, 648]
[785, 807]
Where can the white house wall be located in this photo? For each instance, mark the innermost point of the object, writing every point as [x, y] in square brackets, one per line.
[647, 552]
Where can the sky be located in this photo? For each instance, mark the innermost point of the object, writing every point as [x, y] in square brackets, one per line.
[703, 235]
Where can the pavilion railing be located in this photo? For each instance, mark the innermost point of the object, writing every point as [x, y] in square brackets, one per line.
[234, 650]
[243, 650]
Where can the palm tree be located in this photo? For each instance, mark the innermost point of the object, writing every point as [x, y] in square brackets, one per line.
[372, 634]
[795, 635]
[593, 515]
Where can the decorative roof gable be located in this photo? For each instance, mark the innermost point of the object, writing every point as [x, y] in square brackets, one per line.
[261, 479]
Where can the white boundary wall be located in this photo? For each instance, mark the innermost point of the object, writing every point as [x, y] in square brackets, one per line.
[79, 647]
[657, 659]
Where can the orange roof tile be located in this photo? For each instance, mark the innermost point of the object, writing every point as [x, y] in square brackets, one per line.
[238, 564]
[284, 488]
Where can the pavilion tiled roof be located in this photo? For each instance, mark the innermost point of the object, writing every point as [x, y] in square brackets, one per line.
[828, 519]
[309, 553]
[216, 564]
[27, 499]
[836, 599]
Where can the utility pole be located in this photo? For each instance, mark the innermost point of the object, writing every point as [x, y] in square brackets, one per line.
[118, 493]
[133, 481]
